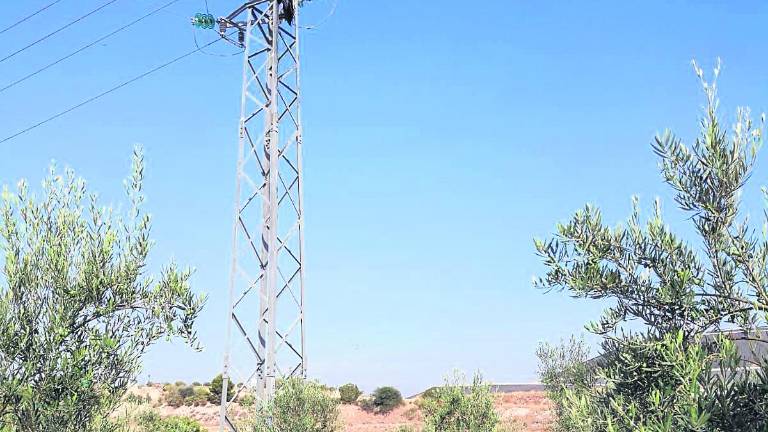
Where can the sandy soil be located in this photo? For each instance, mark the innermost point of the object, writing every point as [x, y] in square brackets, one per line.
[531, 409]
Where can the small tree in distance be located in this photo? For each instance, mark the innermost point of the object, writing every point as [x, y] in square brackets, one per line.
[349, 393]
[217, 385]
[385, 399]
[77, 307]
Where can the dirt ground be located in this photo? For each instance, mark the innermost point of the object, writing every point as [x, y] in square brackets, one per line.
[529, 409]
[532, 409]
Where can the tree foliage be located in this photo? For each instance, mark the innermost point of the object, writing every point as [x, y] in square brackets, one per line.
[385, 399]
[154, 423]
[348, 393]
[564, 368]
[176, 395]
[297, 406]
[660, 376]
[456, 407]
[217, 385]
[78, 309]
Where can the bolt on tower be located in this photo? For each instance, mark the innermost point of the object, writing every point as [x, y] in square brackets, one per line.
[265, 322]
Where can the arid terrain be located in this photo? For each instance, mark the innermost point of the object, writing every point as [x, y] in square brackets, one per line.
[529, 409]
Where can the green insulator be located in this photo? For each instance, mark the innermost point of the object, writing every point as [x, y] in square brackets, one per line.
[205, 21]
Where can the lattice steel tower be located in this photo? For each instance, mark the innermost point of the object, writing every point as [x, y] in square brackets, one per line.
[265, 328]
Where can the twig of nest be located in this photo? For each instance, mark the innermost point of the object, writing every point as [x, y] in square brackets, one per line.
[288, 12]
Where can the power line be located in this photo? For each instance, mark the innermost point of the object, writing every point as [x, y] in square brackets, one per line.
[102, 94]
[325, 19]
[29, 16]
[57, 30]
[197, 44]
[73, 53]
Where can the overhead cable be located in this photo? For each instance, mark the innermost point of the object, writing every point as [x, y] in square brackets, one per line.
[102, 94]
[325, 19]
[85, 47]
[29, 16]
[71, 23]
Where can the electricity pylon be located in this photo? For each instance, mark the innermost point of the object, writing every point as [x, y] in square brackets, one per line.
[266, 289]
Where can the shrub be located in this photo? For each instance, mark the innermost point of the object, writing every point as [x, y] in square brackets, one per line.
[135, 399]
[247, 400]
[216, 386]
[670, 394]
[511, 425]
[563, 369]
[186, 391]
[200, 396]
[411, 413]
[427, 396]
[145, 420]
[429, 393]
[349, 393]
[457, 407]
[385, 399]
[148, 418]
[366, 403]
[153, 423]
[179, 424]
[171, 396]
[78, 307]
[176, 396]
[298, 406]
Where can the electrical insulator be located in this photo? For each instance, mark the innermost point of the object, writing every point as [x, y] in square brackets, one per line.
[204, 21]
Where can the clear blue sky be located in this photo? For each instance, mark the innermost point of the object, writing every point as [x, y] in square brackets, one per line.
[441, 137]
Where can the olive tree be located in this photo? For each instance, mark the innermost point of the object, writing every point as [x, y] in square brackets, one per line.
[657, 374]
[564, 368]
[78, 307]
[458, 407]
[297, 406]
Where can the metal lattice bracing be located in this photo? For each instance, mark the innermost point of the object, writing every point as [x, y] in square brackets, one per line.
[265, 331]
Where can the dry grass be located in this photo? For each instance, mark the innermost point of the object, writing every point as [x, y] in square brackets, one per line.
[520, 412]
